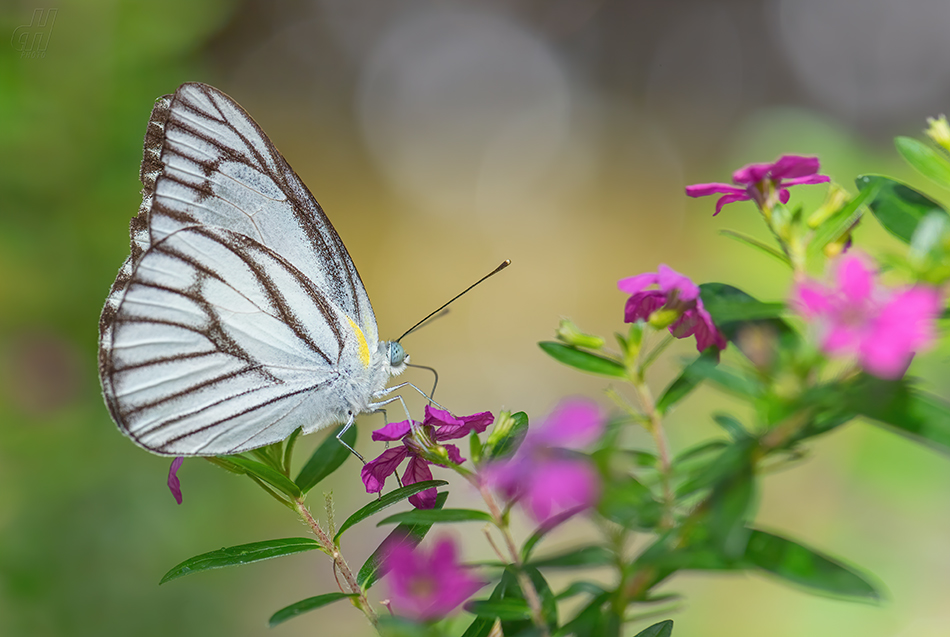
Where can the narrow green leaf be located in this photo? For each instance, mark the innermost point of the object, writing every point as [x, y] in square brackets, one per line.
[630, 504]
[584, 361]
[898, 207]
[732, 426]
[588, 619]
[923, 158]
[661, 629]
[733, 460]
[911, 412]
[482, 626]
[436, 516]
[241, 554]
[729, 508]
[755, 243]
[545, 528]
[734, 311]
[574, 558]
[807, 567]
[404, 534]
[505, 609]
[271, 476]
[391, 498]
[686, 382]
[579, 588]
[326, 459]
[305, 605]
[724, 377]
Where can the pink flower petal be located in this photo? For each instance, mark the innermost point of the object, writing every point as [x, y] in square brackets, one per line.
[418, 471]
[669, 280]
[805, 181]
[375, 472]
[730, 199]
[704, 190]
[784, 195]
[559, 485]
[855, 279]
[633, 284]
[573, 424]
[454, 454]
[751, 174]
[811, 299]
[641, 305]
[791, 166]
[392, 431]
[173, 483]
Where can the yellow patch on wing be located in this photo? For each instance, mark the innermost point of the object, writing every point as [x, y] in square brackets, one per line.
[361, 342]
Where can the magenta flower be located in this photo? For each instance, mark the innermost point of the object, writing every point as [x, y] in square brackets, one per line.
[426, 587]
[679, 297]
[173, 484]
[883, 327]
[436, 427]
[544, 475]
[758, 181]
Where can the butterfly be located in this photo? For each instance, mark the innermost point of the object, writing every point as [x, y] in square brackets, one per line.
[239, 316]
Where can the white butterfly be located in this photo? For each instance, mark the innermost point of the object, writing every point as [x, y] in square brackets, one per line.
[239, 316]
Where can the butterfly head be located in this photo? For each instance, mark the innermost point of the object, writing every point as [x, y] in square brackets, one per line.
[398, 358]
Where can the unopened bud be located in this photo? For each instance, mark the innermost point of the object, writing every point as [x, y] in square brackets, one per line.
[664, 317]
[939, 131]
[569, 333]
[836, 199]
[503, 424]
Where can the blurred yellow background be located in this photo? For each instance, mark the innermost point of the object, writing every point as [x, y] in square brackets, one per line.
[442, 137]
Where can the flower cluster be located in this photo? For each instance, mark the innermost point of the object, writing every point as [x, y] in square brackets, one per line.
[884, 328]
[676, 304]
[420, 443]
[545, 475]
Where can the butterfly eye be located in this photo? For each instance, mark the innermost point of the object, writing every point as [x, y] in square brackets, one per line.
[396, 355]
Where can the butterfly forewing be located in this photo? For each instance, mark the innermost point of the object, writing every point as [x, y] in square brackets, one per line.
[239, 316]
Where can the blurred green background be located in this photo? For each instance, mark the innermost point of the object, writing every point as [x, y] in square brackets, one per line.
[442, 137]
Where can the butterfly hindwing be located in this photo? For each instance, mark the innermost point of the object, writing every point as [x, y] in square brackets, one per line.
[221, 345]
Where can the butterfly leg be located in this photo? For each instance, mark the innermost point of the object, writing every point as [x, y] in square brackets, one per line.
[339, 437]
[389, 390]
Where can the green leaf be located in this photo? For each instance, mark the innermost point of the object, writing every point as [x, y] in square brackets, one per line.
[920, 416]
[506, 437]
[732, 426]
[508, 609]
[724, 377]
[661, 629]
[272, 477]
[436, 516]
[405, 534]
[734, 311]
[241, 554]
[545, 528]
[729, 508]
[574, 558]
[927, 161]
[686, 382]
[758, 245]
[588, 619]
[807, 567]
[898, 207]
[304, 605]
[584, 361]
[630, 504]
[482, 626]
[579, 588]
[391, 498]
[326, 459]
[733, 460]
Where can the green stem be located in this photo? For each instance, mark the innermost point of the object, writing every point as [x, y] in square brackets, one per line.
[527, 586]
[333, 551]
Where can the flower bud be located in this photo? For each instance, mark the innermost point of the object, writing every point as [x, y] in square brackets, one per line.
[569, 333]
[939, 131]
[664, 317]
[500, 431]
[836, 199]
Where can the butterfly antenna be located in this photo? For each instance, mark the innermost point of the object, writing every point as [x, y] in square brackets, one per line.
[412, 329]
